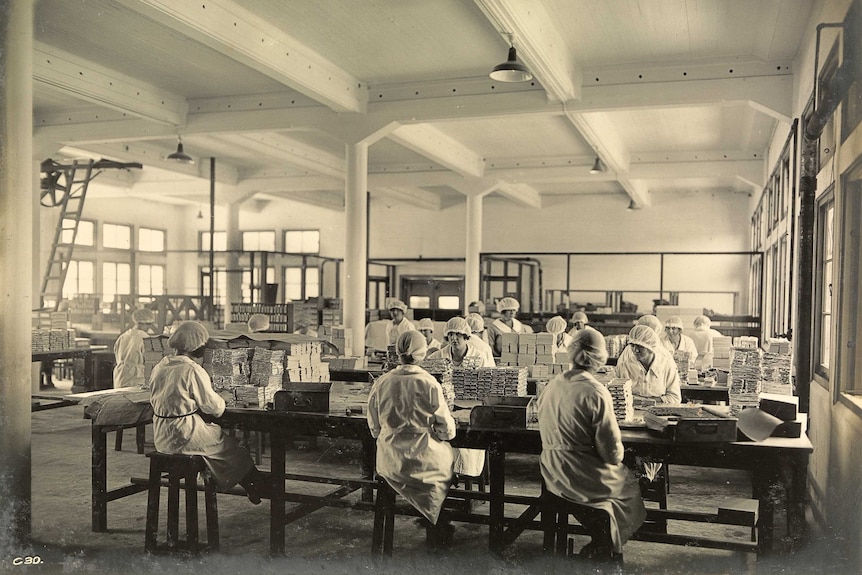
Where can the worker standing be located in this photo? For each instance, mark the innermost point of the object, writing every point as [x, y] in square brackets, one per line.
[579, 322]
[129, 351]
[508, 323]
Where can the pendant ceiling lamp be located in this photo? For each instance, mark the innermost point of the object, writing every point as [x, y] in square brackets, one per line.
[597, 166]
[512, 70]
[632, 206]
[180, 156]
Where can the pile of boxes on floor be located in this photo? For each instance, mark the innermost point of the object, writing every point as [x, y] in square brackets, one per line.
[533, 351]
[51, 332]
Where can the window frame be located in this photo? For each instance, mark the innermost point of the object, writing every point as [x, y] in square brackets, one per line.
[105, 226]
[301, 231]
[820, 373]
[143, 229]
[117, 291]
[248, 234]
[846, 306]
[139, 275]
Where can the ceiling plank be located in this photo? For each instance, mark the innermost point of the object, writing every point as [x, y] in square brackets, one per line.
[295, 153]
[329, 200]
[539, 43]
[234, 31]
[522, 194]
[432, 143]
[272, 183]
[69, 74]
[412, 196]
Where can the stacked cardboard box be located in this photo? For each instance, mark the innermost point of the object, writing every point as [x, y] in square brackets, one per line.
[621, 392]
[721, 346]
[482, 382]
[338, 335]
[776, 367]
[331, 317]
[529, 349]
[441, 369]
[745, 376]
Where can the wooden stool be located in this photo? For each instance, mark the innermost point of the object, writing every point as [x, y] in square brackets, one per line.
[384, 519]
[555, 524]
[178, 467]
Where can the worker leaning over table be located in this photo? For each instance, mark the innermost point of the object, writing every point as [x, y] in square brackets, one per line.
[399, 323]
[703, 336]
[409, 418]
[508, 323]
[675, 341]
[468, 462]
[182, 395]
[477, 329]
[582, 450]
[426, 328]
[129, 351]
[649, 366]
[556, 326]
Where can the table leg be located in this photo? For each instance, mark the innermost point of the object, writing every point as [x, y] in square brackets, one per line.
[763, 480]
[276, 488]
[99, 478]
[497, 490]
[367, 464]
[796, 485]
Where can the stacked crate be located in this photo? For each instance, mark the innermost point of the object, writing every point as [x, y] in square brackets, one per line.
[721, 346]
[530, 349]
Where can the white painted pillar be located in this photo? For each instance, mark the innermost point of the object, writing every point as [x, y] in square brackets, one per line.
[234, 244]
[356, 244]
[16, 268]
[474, 247]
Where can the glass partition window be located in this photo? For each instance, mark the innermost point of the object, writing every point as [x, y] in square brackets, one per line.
[85, 235]
[449, 302]
[116, 280]
[258, 241]
[117, 236]
[80, 279]
[151, 280]
[302, 241]
[419, 302]
[220, 244]
[150, 240]
[294, 282]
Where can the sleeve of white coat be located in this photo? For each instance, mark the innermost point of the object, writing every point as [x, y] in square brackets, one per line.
[443, 424]
[202, 391]
[672, 395]
[373, 415]
[608, 439]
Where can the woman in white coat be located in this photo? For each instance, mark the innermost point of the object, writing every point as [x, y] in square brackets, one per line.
[582, 451]
[409, 418]
[129, 351]
[508, 323]
[182, 395]
[556, 326]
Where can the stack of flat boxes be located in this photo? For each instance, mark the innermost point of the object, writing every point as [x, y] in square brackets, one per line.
[441, 369]
[330, 316]
[745, 372]
[482, 382]
[621, 392]
[534, 351]
[267, 372]
[721, 346]
[338, 335]
[775, 367]
[51, 332]
[155, 348]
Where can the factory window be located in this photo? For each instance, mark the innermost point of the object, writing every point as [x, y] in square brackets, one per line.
[116, 280]
[419, 302]
[151, 280]
[85, 235]
[823, 288]
[220, 244]
[302, 241]
[448, 302]
[294, 282]
[251, 284]
[850, 330]
[80, 279]
[261, 241]
[150, 240]
[117, 236]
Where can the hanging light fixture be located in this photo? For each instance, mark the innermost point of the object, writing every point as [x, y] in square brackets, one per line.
[632, 206]
[597, 166]
[180, 156]
[200, 214]
[512, 70]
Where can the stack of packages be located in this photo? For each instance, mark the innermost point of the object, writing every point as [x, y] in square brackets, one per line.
[338, 335]
[776, 365]
[228, 367]
[51, 331]
[721, 352]
[302, 361]
[616, 344]
[155, 348]
[682, 363]
[482, 382]
[348, 362]
[530, 349]
[621, 392]
[267, 371]
[745, 375]
[331, 316]
[441, 369]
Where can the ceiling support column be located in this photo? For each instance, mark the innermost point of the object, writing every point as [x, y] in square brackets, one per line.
[234, 246]
[474, 247]
[16, 269]
[356, 244]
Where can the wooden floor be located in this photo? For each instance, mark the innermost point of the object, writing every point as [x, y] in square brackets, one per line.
[335, 540]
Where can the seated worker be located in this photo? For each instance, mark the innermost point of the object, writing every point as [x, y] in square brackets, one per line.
[460, 344]
[129, 351]
[426, 328]
[675, 341]
[410, 419]
[258, 322]
[650, 367]
[582, 451]
[652, 321]
[181, 394]
[579, 322]
[399, 324]
[702, 337]
[477, 329]
[508, 307]
[557, 327]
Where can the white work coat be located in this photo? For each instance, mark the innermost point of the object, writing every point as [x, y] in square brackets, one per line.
[433, 345]
[469, 462]
[702, 337]
[394, 330]
[582, 452]
[561, 344]
[686, 344]
[497, 328]
[179, 389]
[129, 358]
[408, 415]
[661, 381]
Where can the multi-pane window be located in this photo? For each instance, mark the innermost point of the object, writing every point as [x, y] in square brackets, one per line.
[294, 281]
[449, 302]
[116, 280]
[302, 241]
[85, 236]
[258, 241]
[80, 279]
[850, 328]
[823, 288]
[151, 280]
[117, 236]
[150, 240]
[220, 244]
[251, 283]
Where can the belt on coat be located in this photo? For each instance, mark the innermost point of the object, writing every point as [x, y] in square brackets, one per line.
[173, 416]
[406, 429]
[572, 448]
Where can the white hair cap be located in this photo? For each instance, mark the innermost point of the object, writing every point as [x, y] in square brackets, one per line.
[702, 320]
[397, 304]
[556, 325]
[651, 321]
[588, 349]
[143, 316]
[425, 323]
[411, 347]
[458, 324]
[673, 321]
[189, 336]
[507, 303]
[580, 316]
[258, 322]
[476, 322]
[644, 336]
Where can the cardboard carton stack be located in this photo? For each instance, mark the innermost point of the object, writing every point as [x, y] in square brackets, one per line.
[621, 392]
[302, 361]
[530, 349]
[441, 369]
[338, 335]
[329, 316]
[155, 349]
[745, 376]
[776, 367]
[721, 346]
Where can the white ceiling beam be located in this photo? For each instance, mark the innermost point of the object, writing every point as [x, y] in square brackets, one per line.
[749, 170]
[599, 132]
[413, 196]
[295, 153]
[522, 194]
[638, 191]
[72, 75]
[234, 31]
[329, 200]
[429, 141]
[287, 183]
[540, 45]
